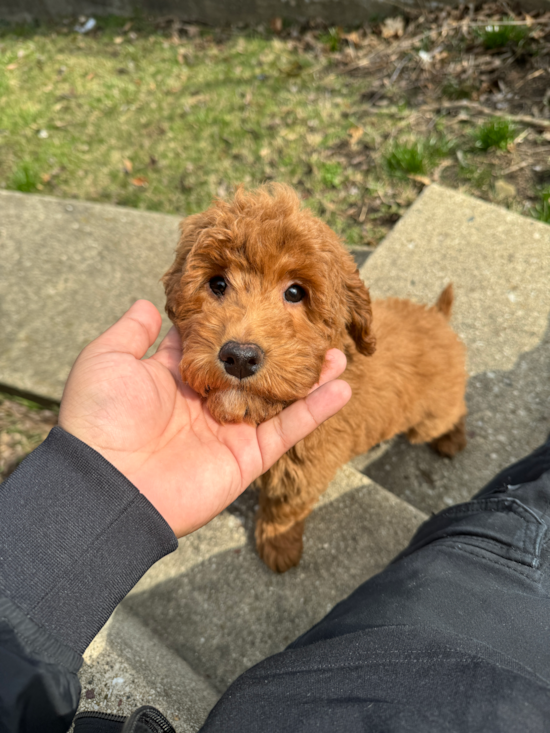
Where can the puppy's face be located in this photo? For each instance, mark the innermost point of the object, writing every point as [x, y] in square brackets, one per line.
[259, 291]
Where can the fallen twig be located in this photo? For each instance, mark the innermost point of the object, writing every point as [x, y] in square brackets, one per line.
[515, 168]
[479, 108]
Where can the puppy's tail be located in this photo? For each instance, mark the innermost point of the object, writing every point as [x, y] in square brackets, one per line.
[444, 303]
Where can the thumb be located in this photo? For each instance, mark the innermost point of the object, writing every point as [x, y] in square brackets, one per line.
[132, 334]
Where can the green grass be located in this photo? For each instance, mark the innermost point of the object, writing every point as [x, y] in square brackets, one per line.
[541, 210]
[418, 157]
[406, 159]
[331, 39]
[25, 177]
[133, 115]
[331, 174]
[497, 133]
[497, 36]
[29, 404]
[194, 117]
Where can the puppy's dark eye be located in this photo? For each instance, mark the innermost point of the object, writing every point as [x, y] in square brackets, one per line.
[217, 285]
[295, 293]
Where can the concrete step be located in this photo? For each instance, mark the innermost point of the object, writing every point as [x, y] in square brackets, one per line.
[125, 667]
[204, 614]
[69, 270]
[499, 263]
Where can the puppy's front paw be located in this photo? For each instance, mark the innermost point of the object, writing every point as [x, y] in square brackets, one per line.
[280, 549]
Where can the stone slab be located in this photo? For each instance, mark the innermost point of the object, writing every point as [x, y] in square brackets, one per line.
[499, 263]
[126, 667]
[225, 610]
[68, 270]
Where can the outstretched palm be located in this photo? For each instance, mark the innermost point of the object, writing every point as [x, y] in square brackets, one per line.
[157, 431]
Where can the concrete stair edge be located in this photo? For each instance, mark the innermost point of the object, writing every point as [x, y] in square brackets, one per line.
[126, 667]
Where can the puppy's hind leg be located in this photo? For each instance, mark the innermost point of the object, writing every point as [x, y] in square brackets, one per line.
[445, 440]
[452, 442]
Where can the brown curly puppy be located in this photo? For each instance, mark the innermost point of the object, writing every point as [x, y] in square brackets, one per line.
[259, 291]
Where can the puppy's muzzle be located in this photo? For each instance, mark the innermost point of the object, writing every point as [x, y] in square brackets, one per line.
[241, 360]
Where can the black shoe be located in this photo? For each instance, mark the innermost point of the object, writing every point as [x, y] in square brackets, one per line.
[143, 720]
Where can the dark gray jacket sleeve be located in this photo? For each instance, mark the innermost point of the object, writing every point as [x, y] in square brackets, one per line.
[75, 537]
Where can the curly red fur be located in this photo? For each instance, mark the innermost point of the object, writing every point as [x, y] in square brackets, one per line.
[405, 365]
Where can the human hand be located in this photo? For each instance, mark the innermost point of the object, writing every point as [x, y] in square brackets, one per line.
[141, 417]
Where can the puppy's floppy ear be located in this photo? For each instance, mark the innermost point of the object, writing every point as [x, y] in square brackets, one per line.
[190, 228]
[359, 315]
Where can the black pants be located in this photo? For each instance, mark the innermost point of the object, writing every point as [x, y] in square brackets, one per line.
[453, 635]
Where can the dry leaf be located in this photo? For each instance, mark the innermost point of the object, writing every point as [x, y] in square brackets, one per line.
[126, 27]
[355, 134]
[192, 30]
[11, 67]
[276, 25]
[140, 181]
[90, 76]
[424, 180]
[352, 37]
[128, 167]
[152, 86]
[393, 27]
[119, 40]
[505, 190]
[46, 177]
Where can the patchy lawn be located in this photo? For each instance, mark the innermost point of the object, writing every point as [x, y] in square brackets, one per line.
[164, 121]
[165, 118]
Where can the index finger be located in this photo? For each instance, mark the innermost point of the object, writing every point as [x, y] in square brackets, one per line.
[280, 433]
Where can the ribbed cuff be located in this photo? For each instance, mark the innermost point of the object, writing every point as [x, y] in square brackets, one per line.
[75, 537]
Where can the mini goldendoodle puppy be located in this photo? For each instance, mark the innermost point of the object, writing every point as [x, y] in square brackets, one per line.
[259, 291]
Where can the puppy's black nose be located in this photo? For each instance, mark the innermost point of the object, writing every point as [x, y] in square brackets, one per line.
[241, 360]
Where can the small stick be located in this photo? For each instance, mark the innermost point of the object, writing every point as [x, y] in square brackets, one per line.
[476, 107]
